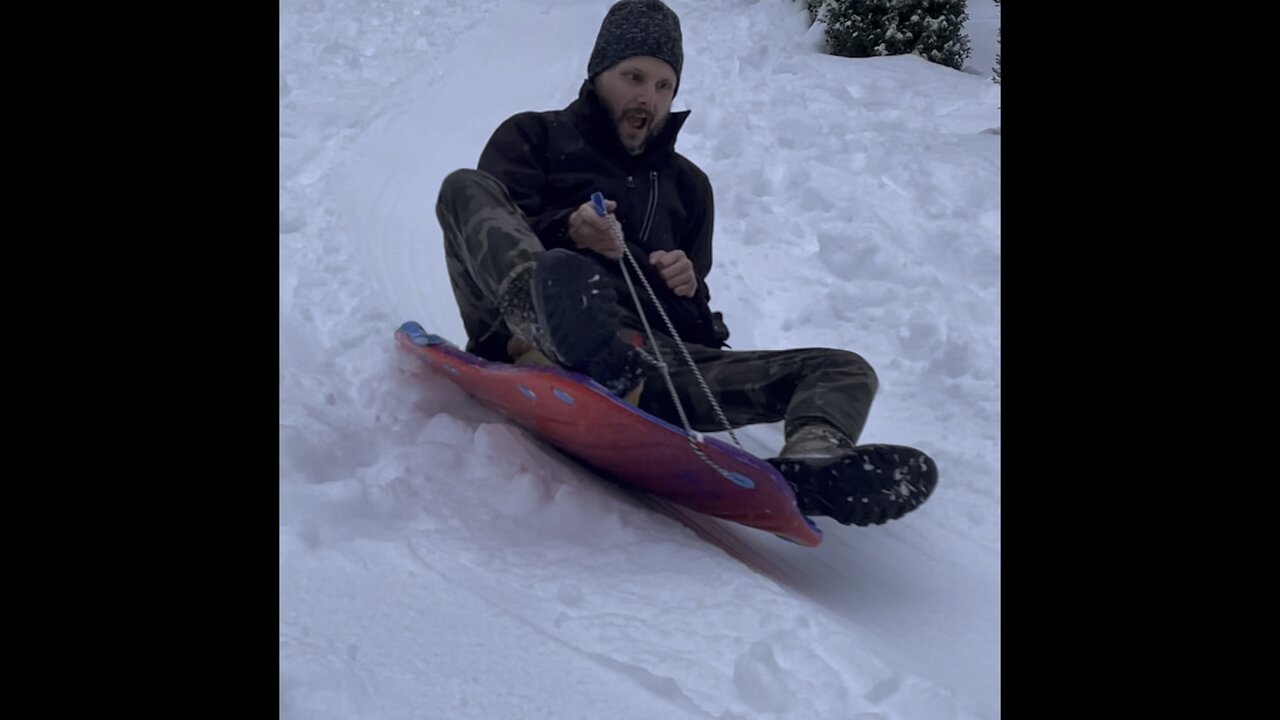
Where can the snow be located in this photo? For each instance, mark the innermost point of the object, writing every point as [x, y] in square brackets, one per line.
[436, 562]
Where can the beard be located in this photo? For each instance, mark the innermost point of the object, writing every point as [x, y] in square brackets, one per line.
[634, 139]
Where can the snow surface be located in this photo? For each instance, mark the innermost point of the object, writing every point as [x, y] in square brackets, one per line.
[436, 562]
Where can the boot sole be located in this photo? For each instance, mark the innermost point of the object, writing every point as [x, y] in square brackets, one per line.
[567, 301]
[871, 485]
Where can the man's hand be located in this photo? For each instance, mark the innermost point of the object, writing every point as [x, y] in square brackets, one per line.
[591, 232]
[676, 270]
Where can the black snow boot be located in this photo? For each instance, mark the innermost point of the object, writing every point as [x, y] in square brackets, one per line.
[563, 305]
[855, 485]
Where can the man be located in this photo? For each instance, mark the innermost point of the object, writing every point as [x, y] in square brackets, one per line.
[538, 274]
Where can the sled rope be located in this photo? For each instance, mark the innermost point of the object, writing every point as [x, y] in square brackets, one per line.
[693, 436]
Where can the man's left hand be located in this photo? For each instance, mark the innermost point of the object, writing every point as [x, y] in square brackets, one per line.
[676, 269]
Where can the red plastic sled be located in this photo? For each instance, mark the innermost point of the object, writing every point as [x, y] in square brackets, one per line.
[580, 417]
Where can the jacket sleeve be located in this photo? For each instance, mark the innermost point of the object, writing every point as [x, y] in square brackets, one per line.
[701, 228]
[516, 155]
[711, 328]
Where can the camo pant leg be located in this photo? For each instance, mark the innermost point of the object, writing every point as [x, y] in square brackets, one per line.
[798, 386]
[485, 236]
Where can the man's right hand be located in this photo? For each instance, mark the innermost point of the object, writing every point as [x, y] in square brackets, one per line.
[590, 231]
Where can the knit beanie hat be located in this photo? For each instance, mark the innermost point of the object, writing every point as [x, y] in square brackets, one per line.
[637, 27]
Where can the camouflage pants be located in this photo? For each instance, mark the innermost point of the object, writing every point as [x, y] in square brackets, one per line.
[486, 235]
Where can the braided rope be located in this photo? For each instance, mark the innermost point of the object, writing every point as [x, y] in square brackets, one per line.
[693, 436]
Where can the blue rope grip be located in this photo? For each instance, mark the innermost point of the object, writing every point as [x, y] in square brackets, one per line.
[597, 200]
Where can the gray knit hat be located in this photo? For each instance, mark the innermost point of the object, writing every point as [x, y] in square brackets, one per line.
[637, 27]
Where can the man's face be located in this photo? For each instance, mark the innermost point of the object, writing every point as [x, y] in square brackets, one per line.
[637, 92]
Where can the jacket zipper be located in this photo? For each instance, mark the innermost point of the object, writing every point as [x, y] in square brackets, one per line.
[652, 209]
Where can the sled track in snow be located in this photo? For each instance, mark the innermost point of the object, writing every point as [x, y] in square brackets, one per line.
[718, 533]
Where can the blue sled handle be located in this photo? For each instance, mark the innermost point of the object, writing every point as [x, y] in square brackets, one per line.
[597, 200]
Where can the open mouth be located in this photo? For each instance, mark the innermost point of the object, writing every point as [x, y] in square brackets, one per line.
[636, 119]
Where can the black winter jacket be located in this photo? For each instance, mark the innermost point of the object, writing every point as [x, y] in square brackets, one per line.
[551, 162]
